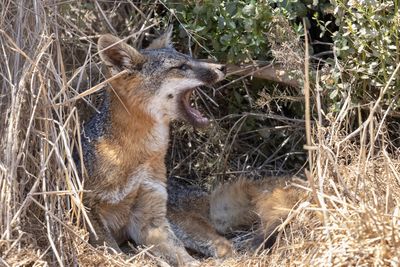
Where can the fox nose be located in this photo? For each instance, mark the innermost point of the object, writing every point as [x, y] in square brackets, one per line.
[222, 68]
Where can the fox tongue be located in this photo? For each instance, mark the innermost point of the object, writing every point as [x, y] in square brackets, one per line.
[194, 115]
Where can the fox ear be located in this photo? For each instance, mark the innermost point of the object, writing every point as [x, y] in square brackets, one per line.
[163, 41]
[116, 53]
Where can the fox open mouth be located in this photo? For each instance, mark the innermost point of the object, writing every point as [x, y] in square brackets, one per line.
[192, 115]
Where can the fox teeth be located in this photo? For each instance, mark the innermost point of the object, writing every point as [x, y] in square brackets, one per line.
[187, 95]
[193, 114]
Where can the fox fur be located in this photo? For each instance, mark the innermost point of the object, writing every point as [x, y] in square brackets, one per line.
[201, 220]
[125, 144]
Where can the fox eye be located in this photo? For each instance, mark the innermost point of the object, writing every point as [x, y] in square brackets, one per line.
[184, 67]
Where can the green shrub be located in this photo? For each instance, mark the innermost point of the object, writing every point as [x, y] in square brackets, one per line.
[234, 30]
[367, 46]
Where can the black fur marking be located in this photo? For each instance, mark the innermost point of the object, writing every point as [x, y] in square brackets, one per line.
[93, 130]
[177, 192]
[206, 75]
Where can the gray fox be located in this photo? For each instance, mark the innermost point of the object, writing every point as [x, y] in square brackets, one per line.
[201, 220]
[124, 145]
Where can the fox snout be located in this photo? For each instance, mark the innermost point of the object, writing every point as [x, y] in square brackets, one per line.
[220, 70]
[210, 73]
[204, 74]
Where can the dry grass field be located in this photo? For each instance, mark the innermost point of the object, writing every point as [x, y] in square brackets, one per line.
[352, 217]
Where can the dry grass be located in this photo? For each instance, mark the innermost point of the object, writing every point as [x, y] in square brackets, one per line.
[354, 220]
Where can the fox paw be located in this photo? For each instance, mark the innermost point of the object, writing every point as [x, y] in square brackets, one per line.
[194, 263]
[223, 248]
[188, 261]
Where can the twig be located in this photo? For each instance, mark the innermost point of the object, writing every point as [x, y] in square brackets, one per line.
[108, 23]
[308, 115]
[269, 72]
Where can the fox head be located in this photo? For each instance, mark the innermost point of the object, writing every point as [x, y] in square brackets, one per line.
[158, 78]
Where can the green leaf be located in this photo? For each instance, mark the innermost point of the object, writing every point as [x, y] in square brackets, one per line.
[333, 94]
[248, 10]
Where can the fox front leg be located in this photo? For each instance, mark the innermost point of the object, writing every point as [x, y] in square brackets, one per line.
[103, 235]
[149, 225]
[198, 234]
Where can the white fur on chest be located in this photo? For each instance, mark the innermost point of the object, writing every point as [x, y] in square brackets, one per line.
[159, 137]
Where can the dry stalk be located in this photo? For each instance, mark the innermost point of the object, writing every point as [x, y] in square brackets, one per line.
[309, 147]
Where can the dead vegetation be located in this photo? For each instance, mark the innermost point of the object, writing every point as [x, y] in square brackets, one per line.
[353, 219]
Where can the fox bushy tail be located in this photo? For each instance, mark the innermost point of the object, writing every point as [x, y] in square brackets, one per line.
[246, 202]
